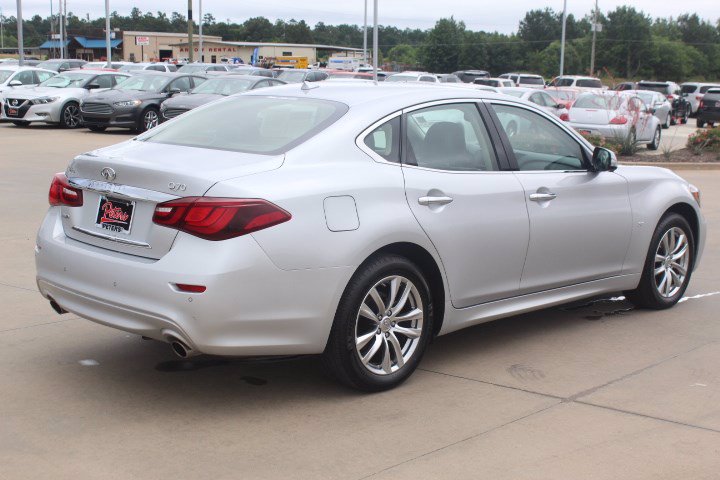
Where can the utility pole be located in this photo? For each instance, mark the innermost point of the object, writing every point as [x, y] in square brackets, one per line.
[375, 41]
[190, 32]
[60, 29]
[66, 43]
[562, 41]
[365, 58]
[21, 45]
[594, 30]
[200, 19]
[2, 33]
[108, 46]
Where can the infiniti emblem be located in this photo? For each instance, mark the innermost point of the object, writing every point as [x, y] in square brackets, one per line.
[14, 102]
[108, 174]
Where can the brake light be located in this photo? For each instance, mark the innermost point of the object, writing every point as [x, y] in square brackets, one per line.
[701, 105]
[564, 117]
[698, 97]
[671, 97]
[619, 120]
[214, 218]
[184, 287]
[62, 193]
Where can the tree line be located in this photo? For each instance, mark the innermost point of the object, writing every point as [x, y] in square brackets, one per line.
[631, 44]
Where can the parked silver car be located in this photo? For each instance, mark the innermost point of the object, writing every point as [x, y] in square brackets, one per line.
[57, 100]
[413, 77]
[616, 115]
[658, 104]
[539, 98]
[343, 220]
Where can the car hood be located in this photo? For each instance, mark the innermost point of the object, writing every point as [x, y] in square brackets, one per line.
[115, 95]
[188, 102]
[37, 92]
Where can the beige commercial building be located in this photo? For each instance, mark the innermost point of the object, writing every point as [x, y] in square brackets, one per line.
[215, 50]
[154, 46]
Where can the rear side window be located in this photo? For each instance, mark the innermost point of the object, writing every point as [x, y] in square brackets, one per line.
[385, 140]
[531, 80]
[589, 83]
[249, 123]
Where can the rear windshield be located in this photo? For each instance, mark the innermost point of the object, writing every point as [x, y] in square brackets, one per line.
[589, 83]
[250, 124]
[600, 102]
[706, 88]
[655, 87]
[531, 80]
[688, 88]
[224, 86]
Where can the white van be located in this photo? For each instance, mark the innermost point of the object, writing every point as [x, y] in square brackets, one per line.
[528, 80]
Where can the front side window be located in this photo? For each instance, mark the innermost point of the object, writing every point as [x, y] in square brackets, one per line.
[385, 140]
[182, 84]
[42, 76]
[538, 143]
[103, 81]
[25, 77]
[251, 124]
[589, 83]
[449, 137]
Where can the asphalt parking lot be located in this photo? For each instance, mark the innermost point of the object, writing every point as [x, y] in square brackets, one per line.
[593, 391]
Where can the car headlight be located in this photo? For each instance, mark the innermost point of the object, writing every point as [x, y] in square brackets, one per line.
[44, 100]
[129, 103]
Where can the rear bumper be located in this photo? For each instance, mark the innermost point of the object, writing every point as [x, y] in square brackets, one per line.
[250, 307]
[605, 131]
[708, 116]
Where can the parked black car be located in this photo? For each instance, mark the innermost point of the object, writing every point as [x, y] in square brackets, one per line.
[468, 76]
[681, 107]
[708, 111]
[135, 103]
[61, 65]
[213, 89]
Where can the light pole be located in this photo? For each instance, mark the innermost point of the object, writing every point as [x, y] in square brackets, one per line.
[375, 41]
[200, 19]
[594, 30]
[21, 46]
[365, 36]
[562, 41]
[190, 32]
[108, 46]
[2, 33]
[60, 29]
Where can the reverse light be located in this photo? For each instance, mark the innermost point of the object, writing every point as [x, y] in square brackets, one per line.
[214, 218]
[619, 120]
[62, 193]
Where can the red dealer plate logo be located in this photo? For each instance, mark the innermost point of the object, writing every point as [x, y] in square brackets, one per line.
[114, 215]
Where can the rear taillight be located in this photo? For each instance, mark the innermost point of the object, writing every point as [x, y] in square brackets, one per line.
[619, 120]
[564, 117]
[701, 105]
[62, 193]
[698, 97]
[215, 218]
[671, 97]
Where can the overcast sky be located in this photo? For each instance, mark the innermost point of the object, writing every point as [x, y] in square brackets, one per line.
[499, 15]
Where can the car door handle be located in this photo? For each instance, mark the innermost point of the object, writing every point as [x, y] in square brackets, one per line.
[542, 197]
[434, 200]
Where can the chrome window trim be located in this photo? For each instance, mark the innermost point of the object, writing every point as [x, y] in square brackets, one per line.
[123, 191]
[124, 241]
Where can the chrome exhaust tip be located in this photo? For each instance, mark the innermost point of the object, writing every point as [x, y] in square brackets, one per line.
[182, 350]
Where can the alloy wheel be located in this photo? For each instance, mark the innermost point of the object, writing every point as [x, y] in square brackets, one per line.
[672, 261]
[150, 119]
[71, 116]
[389, 325]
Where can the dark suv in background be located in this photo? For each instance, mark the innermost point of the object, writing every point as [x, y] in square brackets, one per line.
[681, 108]
[709, 109]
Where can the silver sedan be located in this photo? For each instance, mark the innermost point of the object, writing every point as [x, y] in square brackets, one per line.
[658, 104]
[356, 221]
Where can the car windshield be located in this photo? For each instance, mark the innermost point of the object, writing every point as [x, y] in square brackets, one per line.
[250, 124]
[130, 68]
[531, 80]
[599, 102]
[655, 87]
[647, 98]
[144, 83]
[589, 83]
[224, 86]
[68, 80]
[191, 69]
[562, 94]
[402, 78]
[290, 76]
[5, 74]
[49, 64]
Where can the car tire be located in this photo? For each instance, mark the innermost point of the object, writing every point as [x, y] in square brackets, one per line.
[666, 125]
[149, 118]
[672, 119]
[655, 144]
[369, 347]
[685, 117]
[700, 123]
[21, 124]
[70, 115]
[662, 283]
[97, 129]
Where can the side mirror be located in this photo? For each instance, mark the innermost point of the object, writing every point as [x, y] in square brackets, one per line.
[92, 86]
[15, 83]
[173, 92]
[603, 160]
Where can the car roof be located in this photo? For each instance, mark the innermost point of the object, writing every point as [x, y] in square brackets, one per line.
[17, 68]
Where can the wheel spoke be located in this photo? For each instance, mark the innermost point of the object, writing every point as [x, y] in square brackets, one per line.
[681, 253]
[367, 312]
[659, 270]
[668, 284]
[408, 332]
[373, 350]
[414, 314]
[378, 301]
[386, 362]
[403, 298]
[679, 268]
[394, 287]
[679, 243]
[661, 285]
[676, 281]
[666, 243]
[365, 339]
[659, 258]
[397, 349]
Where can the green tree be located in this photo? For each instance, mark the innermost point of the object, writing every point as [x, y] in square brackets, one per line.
[626, 41]
[441, 51]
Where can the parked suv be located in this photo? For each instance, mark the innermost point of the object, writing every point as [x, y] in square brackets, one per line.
[528, 80]
[709, 108]
[694, 91]
[576, 81]
[469, 76]
[61, 65]
[671, 90]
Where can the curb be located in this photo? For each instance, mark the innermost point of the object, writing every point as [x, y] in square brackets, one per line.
[677, 165]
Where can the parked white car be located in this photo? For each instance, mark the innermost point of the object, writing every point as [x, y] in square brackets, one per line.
[12, 76]
[694, 92]
[290, 221]
[539, 98]
[413, 77]
[528, 80]
[494, 82]
[577, 81]
[156, 67]
[616, 115]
